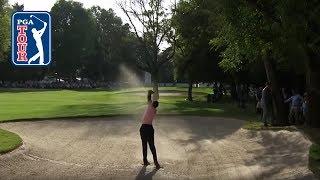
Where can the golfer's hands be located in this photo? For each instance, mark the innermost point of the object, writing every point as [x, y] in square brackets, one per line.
[155, 96]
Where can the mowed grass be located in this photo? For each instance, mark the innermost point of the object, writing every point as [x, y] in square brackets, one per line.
[19, 104]
[8, 141]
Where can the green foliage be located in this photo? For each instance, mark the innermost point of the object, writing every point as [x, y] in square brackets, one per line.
[194, 27]
[314, 159]
[114, 45]
[249, 29]
[151, 23]
[4, 28]
[73, 34]
[314, 152]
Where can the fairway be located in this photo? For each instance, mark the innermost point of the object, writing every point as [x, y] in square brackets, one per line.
[17, 104]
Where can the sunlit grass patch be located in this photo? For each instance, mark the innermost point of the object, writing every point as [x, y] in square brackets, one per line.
[8, 141]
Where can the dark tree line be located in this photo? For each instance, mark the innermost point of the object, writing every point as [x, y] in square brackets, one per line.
[280, 38]
[88, 43]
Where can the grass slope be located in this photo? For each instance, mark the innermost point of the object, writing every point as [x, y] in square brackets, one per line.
[8, 141]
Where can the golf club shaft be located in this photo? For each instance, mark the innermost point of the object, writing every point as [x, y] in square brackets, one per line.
[38, 19]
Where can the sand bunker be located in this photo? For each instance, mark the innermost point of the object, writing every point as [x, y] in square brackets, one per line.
[188, 147]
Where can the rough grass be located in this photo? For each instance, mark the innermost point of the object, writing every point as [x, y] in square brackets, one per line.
[256, 125]
[314, 159]
[8, 141]
[314, 151]
[24, 104]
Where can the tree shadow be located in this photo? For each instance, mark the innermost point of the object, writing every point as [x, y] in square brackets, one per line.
[280, 151]
[193, 131]
[202, 108]
[142, 175]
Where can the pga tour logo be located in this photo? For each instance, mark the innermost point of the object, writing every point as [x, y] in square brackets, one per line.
[31, 38]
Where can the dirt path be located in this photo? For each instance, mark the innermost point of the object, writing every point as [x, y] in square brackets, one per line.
[188, 148]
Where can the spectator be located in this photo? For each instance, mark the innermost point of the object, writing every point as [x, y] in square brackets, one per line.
[305, 106]
[295, 107]
[266, 104]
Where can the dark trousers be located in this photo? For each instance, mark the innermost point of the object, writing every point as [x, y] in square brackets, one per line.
[147, 136]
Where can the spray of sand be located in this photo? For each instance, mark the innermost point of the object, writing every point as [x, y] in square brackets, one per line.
[128, 78]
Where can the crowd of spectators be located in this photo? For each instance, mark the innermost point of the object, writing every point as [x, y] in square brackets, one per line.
[58, 84]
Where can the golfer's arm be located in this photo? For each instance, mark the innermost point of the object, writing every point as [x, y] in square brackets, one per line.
[43, 29]
[288, 100]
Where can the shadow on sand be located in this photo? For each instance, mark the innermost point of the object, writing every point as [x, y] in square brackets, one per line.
[146, 176]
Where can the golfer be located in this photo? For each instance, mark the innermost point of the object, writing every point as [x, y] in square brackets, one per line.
[147, 131]
[37, 35]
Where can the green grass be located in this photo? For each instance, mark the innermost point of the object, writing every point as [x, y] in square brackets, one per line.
[314, 151]
[8, 141]
[314, 159]
[255, 125]
[29, 104]
[19, 104]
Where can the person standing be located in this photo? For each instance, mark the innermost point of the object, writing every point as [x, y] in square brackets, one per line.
[266, 104]
[305, 106]
[147, 131]
[295, 108]
[258, 96]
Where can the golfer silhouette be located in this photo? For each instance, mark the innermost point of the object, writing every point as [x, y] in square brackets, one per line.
[37, 34]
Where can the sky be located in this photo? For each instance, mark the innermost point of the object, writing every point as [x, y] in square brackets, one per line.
[46, 5]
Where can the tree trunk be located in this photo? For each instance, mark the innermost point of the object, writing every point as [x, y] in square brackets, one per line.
[313, 88]
[190, 92]
[233, 91]
[278, 102]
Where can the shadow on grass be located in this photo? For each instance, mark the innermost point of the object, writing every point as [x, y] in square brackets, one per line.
[201, 108]
[178, 92]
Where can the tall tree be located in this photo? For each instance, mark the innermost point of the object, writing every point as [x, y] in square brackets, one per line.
[194, 28]
[73, 37]
[114, 45]
[4, 28]
[150, 21]
[246, 37]
[275, 32]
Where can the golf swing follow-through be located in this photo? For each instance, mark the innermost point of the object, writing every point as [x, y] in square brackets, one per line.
[37, 34]
[147, 131]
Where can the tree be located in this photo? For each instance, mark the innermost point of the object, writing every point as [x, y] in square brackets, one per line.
[4, 28]
[114, 45]
[282, 32]
[194, 29]
[7, 71]
[73, 37]
[155, 32]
